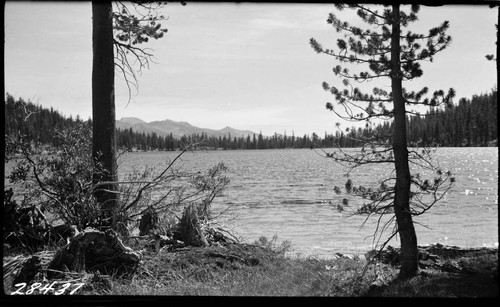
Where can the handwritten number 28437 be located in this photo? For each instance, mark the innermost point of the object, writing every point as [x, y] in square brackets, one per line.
[44, 289]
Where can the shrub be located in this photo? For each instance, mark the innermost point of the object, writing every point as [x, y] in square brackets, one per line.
[61, 182]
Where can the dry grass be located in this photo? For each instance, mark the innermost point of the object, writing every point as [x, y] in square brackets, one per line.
[279, 276]
[262, 269]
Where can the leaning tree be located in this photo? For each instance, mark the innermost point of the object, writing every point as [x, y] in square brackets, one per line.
[117, 33]
[384, 51]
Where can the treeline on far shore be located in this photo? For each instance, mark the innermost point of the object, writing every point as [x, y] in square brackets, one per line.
[470, 122]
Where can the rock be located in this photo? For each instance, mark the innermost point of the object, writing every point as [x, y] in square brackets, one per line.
[95, 251]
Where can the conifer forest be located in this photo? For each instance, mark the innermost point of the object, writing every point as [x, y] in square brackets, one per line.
[468, 123]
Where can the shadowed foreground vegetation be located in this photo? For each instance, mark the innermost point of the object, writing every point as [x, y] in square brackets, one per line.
[273, 274]
[264, 269]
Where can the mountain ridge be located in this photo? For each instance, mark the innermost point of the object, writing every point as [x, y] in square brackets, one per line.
[178, 129]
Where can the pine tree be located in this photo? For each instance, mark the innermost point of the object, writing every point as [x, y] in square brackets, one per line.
[115, 37]
[387, 53]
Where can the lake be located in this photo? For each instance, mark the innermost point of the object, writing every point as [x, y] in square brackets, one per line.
[289, 193]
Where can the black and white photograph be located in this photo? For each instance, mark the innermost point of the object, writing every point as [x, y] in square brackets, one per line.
[250, 149]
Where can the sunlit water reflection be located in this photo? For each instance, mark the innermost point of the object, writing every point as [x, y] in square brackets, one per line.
[289, 193]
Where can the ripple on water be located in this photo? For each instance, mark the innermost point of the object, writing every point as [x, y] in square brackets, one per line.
[286, 192]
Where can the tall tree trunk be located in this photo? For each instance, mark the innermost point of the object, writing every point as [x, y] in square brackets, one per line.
[103, 108]
[409, 253]
[498, 47]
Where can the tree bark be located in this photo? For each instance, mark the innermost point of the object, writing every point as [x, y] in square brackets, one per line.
[103, 108]
[406, 229]
[190, 227]
[498, 47]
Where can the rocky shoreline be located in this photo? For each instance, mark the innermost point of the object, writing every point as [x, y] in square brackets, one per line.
[445, 258]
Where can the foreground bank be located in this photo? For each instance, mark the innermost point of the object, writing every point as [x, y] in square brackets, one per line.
[262, 269]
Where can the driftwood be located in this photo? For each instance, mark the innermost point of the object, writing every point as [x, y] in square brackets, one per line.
[95, 251]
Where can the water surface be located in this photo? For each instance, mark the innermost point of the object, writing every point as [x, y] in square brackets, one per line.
[289, 193]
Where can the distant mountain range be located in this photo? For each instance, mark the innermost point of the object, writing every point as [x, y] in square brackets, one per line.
[178, 129]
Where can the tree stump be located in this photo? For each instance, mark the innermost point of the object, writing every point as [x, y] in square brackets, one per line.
[149, 221]
[95, 251]
[190, 227]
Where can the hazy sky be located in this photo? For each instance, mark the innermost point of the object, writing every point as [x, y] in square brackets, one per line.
[247, 66]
